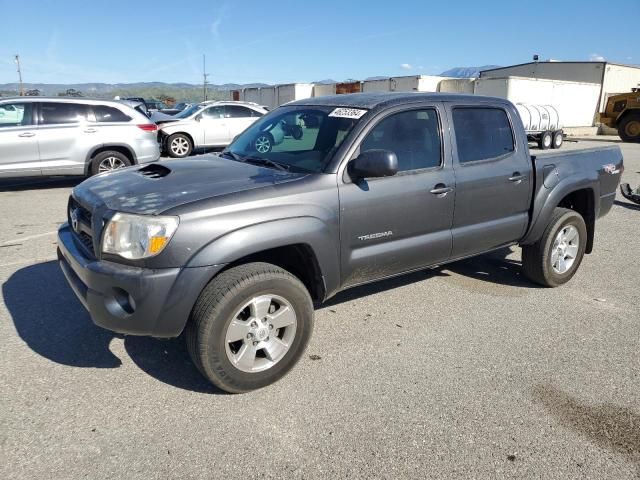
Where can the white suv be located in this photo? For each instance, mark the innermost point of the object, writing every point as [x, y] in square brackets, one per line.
[210, 124]
[64, 136]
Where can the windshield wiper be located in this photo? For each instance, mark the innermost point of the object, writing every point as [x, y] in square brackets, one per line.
[266, 161]
[235, 156]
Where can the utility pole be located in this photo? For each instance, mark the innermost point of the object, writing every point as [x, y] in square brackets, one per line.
[20, 75]
[204, 77]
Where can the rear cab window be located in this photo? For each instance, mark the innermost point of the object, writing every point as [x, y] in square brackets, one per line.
[482, 133]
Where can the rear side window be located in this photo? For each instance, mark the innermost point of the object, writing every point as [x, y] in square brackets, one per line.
[414, 136]
[61, 113]
[482, 133]
[109, 114]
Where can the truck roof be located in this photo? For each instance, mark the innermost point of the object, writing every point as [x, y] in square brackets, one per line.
[378, 99]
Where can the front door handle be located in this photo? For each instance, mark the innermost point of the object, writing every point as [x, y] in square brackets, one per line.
[441, 190]
[91, 130]
[27, 134]
[516, 177]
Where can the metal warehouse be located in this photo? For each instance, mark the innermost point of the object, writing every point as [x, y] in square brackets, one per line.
[612, 78]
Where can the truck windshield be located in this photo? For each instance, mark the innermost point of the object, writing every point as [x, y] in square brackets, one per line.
[300, 138]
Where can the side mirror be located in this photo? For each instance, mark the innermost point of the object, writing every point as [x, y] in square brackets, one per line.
[198, 117]
[374, 163]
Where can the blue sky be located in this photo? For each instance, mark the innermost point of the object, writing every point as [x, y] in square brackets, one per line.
[286, 41]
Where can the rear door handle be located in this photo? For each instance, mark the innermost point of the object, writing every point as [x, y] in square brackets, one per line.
[516, 177]
[27, 134]
[441, 189]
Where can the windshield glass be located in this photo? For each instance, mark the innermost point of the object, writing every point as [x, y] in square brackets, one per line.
[300, 138]
[188, 112]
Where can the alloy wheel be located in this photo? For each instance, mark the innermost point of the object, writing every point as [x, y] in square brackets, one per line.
[110, 163]
[565, 249]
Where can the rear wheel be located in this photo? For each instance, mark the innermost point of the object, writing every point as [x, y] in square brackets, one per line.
[545, 140]
[629, 128]
[555, 258]
[558, 139]
[179, 145]
[249, 327]
[109, 161]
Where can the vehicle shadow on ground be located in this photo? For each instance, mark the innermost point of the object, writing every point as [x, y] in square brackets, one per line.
[52, 322]
[609, 426]
[37, 183]
[492, 268]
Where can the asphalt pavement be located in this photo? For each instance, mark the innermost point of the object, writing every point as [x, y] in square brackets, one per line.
[467, 371]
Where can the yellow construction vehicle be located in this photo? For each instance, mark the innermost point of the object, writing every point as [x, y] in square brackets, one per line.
[623, 112]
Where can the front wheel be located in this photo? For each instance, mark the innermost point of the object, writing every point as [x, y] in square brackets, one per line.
[555, 258]
[629, 128]
[249, 327]
[179, 145]
[263, 143]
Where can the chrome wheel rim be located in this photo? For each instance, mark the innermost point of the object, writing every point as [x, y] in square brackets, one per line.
[559, 140]
[110, 163]
[263, 144]
[180, 146]
[565, 249]
[260, 333]
[546, 140]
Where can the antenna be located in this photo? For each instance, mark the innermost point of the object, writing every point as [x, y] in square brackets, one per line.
[204, 77]
[19, 75]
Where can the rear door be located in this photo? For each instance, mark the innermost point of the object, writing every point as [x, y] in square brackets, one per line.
[395, 224]
[65, 137]
[239, 118]
[215, 126]
[18, 140]
[493, 178]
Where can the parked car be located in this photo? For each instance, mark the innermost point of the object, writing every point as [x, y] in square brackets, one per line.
[177, 108]
[63, 136]
[235, 249]
[206, 125]
[139, 106]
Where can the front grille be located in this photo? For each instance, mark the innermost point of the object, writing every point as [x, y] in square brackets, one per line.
[80, 218]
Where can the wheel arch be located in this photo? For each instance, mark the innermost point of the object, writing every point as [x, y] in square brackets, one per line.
[117, 147]
[311, 254]
[578, 196]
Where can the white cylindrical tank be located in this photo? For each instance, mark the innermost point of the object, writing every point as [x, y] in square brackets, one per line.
[539, 118]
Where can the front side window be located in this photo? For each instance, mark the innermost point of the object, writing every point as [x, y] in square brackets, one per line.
[302, 138]
[63, 113]
[235, 111]
[109, 114]
[414, 136]
[213, 113]
[482, 133]
[16, 114]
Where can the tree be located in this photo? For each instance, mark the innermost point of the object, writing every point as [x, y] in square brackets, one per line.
[167, 100]
[70, 92]
[33, 93]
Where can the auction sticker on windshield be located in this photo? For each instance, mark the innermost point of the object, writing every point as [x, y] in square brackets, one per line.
[347, 113]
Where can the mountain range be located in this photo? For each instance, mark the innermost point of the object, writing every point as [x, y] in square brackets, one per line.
[180, 90]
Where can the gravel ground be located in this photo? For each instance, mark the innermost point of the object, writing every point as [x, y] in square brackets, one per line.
[468, 371]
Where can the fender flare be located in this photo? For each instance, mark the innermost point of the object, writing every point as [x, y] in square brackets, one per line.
[548, 199]
[310, 231]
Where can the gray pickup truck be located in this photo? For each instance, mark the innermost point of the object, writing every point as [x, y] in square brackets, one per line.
[235, 249]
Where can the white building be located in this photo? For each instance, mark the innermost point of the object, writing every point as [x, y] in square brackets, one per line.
[612, 78]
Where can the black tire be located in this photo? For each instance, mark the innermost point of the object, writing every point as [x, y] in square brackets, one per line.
[216, 308]
[629, 128]
[536, 258]
[558, 139]
[263, 143]
[108, 161]
[545, 141]
[179, 145]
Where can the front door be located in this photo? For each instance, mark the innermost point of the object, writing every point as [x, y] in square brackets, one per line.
[18, 140]
[238, 119]
[395, 224]
[215, 127]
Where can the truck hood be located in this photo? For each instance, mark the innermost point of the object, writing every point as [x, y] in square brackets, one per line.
[157, 187]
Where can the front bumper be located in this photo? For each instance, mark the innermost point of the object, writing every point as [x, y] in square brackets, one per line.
[132, 300]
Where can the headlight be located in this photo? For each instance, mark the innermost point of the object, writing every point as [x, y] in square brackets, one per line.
[137, 236]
